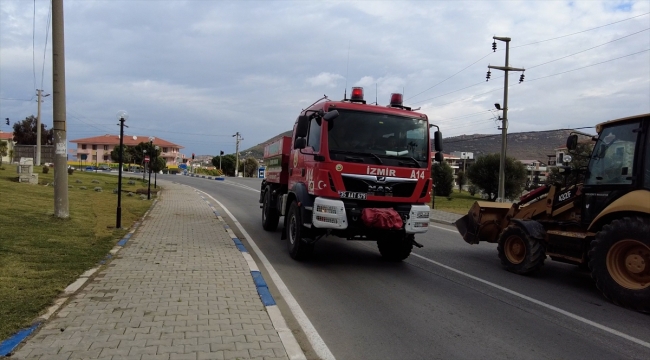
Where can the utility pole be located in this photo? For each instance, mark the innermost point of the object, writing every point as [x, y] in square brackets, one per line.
[61, 207]
[504, 125]
[38, 126]
[239, 138]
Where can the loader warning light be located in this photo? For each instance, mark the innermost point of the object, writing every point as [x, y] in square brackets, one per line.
[357, 94]
[396, 100]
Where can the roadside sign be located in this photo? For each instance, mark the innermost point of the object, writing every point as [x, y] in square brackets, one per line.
[182, 166]
[146, 159]
[260, 172]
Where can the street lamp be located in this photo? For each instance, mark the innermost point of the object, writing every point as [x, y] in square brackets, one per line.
[155, 175]
[151, 139]
[121, 116]
[144, 154]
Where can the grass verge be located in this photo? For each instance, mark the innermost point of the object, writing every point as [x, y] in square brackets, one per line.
[40, 255]
[457, 203]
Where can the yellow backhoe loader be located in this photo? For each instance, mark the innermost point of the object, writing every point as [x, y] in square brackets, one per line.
[602, 223]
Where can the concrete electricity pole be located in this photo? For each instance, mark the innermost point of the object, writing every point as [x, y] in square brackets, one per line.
[504, 126]
[239, 138]
[61, 208]
[38, 126]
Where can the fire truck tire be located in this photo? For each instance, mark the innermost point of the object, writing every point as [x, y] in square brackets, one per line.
[519, 252]
[270, 214]
[298, 249]
[396, 249]
[620, 262]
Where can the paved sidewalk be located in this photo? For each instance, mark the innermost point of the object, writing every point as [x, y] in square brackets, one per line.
[179, 289]
[443, 217]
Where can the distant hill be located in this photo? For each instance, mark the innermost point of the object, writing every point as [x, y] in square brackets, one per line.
[532, 145]
[257, 151]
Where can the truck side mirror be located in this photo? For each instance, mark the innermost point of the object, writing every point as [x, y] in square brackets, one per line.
[439, 158]
[572, 142]
[437, 140]
[331, 115]
[303, 126]
[300, 143]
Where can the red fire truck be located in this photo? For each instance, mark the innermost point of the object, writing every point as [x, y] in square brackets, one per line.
[353, 170]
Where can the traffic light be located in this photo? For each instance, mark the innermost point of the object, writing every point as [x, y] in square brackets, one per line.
[192, 156]
[221, 153]
[8, 122]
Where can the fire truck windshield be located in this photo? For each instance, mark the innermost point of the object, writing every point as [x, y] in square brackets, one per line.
[379, 134]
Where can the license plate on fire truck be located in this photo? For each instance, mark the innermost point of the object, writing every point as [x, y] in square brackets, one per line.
[352, 195]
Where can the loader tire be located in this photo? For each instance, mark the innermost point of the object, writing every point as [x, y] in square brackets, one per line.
[520, 253]
[270, 214]
[298, 248]
[620, 262]
[396, 250]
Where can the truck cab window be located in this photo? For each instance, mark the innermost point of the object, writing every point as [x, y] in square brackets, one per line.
[313, 139]
[612, 161]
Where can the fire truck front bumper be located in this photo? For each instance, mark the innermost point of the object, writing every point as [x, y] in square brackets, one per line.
[329, 214]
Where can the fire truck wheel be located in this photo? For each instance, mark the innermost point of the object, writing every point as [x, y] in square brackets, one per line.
[520, 253]
[620, 262]
[270, 214]
[396, 249]
[298, 249]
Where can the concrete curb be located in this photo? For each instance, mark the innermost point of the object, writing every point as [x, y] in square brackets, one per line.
[9, 345]
[440, 221]
[291, 346]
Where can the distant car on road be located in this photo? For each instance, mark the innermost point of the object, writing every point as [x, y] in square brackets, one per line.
[90, 168]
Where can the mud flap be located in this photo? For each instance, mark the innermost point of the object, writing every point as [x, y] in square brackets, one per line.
[468, 229]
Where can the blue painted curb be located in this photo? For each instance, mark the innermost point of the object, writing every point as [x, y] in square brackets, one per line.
[7, 346]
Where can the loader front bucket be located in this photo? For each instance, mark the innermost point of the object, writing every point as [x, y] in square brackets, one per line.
[483, 222]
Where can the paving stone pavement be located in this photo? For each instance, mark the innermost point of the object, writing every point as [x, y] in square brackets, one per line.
[179, 289]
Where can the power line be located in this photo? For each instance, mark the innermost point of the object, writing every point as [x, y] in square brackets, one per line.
[514, 47]
[580, 32]
[591, 48]
[47, 33]
[584, 67]
[465, 68]
[33, 44]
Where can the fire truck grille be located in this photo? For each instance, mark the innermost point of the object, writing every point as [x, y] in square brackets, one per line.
[394, 189]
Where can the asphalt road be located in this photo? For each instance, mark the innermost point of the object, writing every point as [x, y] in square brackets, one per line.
[448, 300]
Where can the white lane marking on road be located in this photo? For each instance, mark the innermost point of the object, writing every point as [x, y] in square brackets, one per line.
[314, 338]
[441, 228]
[240, 185]
[540, 303]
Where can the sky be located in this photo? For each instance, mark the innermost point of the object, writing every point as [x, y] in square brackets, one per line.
[196, 72]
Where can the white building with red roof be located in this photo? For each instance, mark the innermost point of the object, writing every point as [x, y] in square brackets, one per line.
[9, 139]
[98, 148]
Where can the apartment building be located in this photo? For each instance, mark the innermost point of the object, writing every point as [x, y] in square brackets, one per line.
[98, 149]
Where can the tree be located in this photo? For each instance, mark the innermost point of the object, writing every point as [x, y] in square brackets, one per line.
[158, 164]
[248, 167]
[25, 132]
[3, 150]
[443, 178]
[137, 152]
[581, 156]
[461, 178]
[126, 155]
[227, 164]
[484, 174]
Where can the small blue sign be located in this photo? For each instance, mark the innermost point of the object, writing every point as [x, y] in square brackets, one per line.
[260, 172]
[182, 166]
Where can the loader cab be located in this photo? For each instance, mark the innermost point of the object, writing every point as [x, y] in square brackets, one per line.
[619, 164]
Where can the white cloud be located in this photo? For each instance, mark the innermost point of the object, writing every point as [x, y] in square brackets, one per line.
[325, 79]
